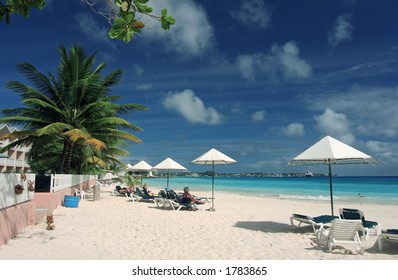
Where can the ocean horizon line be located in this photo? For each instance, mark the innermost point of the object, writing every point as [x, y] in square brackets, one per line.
[363, 189]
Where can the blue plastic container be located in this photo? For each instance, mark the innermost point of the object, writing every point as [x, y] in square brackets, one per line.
[71, 201]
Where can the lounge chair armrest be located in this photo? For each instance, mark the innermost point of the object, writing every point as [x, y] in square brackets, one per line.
[321, 235]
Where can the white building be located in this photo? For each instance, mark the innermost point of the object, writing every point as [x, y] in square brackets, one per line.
[15, 160]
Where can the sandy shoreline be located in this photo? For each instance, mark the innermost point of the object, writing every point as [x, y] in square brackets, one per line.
[242, 228]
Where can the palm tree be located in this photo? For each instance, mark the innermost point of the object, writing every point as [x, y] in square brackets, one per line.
[66, 110]
[43, 155]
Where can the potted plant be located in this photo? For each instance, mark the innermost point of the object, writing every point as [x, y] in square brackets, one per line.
[18, 189]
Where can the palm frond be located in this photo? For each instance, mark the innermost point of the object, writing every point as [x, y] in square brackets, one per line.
[76, 134]
[97, 144]
[54, 128]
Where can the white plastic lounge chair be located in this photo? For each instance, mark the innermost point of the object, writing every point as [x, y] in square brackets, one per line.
[80, 193]
[355, 214]
[342, 232]
[116, 191]
[132, 197]
[143, 198]
[313, 221]
[166, 202]
[388, 234]
[172, 201]
[169, 203]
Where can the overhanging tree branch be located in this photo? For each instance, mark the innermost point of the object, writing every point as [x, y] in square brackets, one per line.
[120, 14]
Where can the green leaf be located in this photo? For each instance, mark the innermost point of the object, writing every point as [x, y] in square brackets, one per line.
[143, 8]
[119, 2]
[128, 16]
[167, 22]
[8, 19]
[124, 7]
[40, 4]
[128, 35]
[164, 12]
[118, 27]
[170, 20]
[121, 30]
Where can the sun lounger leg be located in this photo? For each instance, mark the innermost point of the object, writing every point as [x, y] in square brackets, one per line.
[380, 242]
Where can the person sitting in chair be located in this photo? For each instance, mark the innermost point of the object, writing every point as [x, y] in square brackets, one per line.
[147, 192]
[131, 189]
[123, 190]
[188, 198]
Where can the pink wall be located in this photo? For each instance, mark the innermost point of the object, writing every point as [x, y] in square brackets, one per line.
[51, 200]
[15, 218]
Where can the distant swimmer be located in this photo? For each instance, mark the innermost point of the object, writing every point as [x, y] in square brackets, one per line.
[360, 195]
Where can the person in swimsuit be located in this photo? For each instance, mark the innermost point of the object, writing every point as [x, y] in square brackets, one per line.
[188, 198]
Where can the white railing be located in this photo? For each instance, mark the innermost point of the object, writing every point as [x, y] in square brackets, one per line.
[8, 181]
[58, 182]
[63, 181]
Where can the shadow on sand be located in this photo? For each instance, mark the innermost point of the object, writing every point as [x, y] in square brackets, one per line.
[269, 227]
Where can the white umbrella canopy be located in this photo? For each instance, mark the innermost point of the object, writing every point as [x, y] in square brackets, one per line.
[213, 157]
[141, 166]
[330, 151]
[169, 164]
[129, 166]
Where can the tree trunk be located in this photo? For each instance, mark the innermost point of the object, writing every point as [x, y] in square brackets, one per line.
[63, 157]
[79, 167]
[68, 157]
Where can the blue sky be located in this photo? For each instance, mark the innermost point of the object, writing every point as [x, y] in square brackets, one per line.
[259, 80]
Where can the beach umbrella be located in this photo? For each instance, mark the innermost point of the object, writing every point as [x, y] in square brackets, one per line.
[329, 151]
[141, 166]
[213, 157]
[169, 164]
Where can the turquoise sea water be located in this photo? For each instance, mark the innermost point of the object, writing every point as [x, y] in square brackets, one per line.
[378, 190]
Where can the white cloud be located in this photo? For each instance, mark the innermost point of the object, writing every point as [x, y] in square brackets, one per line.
[385, 152]
[369, 109]
[335, 125]
[294, 130]
[138, 70]
[144, 87]
[282, 61]
[342, 30]
[191, 107]
[237, 108]
[50, 4]
[93, 30]
[350, 3]
[292, 65]
[377, 146]
[252, 13]
[247, 65]
[191, 35]
[259, 116]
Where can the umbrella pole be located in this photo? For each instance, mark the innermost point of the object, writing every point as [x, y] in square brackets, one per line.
[168, 174]
[331, 188]
[212, 190]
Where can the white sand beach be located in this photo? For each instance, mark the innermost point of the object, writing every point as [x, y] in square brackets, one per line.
[241, 228]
